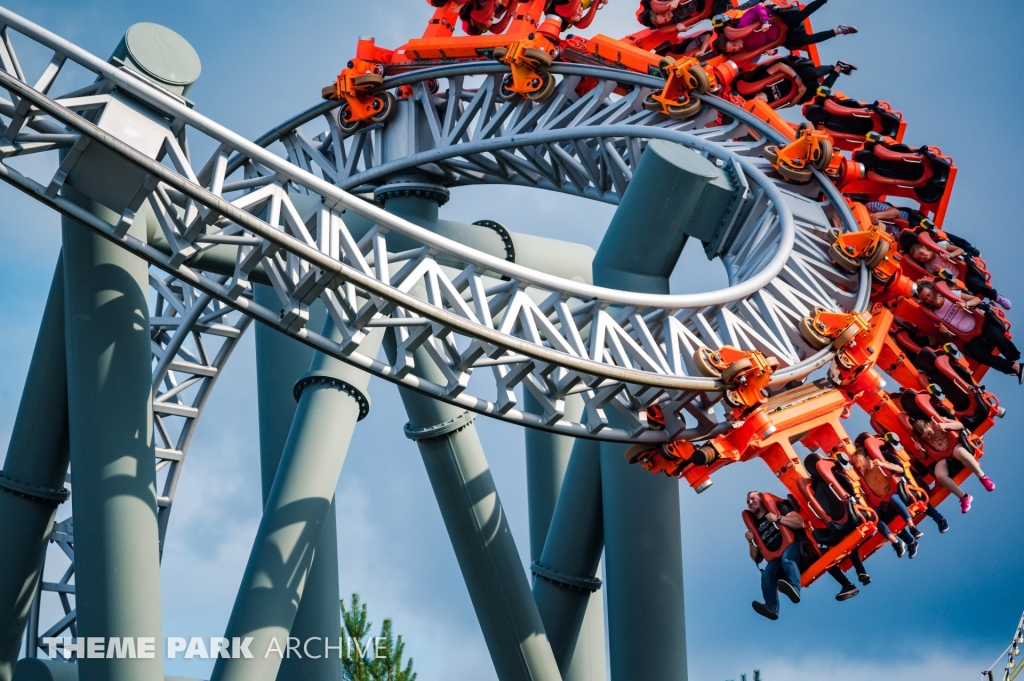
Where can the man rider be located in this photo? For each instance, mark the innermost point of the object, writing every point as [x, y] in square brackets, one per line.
[783, 573]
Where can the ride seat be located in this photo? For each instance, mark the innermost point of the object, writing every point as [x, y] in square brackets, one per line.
[958, 386]
[974, 406]
[920, 169]
[904, 485]
[743, 60]
[979, 315]
[834, 492]
[851, 118]
[909, 238]
[749, 88]
[771, 503]
[920, 405]
[689, 13]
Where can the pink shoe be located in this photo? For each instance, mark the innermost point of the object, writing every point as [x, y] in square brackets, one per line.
[988, 484]
[965, 503]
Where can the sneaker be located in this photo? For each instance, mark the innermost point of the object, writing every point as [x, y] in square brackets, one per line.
[943, 525]
[1003, 302]
[764, 611]
[847, 592]
[965, 503]
[864, 578]
[988, 484]
[900, 548]
[846, 68]
[913, 550]
[916, 533]
[846, 30]
[791, 591]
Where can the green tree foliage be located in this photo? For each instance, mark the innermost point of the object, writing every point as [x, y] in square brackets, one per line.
[757, 676]
[367, 658]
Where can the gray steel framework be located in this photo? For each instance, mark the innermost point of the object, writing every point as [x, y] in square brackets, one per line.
[616, 348]
[612, 348]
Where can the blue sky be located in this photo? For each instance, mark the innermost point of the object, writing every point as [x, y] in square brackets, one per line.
[945, 615]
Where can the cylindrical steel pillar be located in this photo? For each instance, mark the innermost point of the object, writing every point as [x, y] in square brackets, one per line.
[547, 458]
[280, 362]
[331, 399]
[674, 193]
[565, 576]
[110, 419]
[471, 509]
[32, 481]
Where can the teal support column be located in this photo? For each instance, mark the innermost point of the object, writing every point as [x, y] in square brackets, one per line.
[106, 317]
[117, 562]
[565, 583]
[331, 399]
[547, 458]
[674, 193]
[280, 362]
[471, 508]
[32, 481]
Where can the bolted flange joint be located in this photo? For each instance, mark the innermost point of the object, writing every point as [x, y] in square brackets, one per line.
[417, 189]
[590, 584]
[439, 429]
[45, 495]
[316, 378]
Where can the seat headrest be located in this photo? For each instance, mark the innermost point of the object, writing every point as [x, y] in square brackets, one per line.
[943, 288]
[908, 239]
[873, 446]
[926, 359]
[811, 464]
[906, 341]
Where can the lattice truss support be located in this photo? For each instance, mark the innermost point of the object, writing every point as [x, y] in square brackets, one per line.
[618, 349]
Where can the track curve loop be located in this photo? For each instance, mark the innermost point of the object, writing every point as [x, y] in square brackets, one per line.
[481, 325]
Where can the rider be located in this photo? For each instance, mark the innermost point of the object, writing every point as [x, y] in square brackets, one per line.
[936, 440]
[883, 210]
[570, 11]
[788, 564]
[479, 15]
[974, 279]
[791, 72]
[795, 38]
[957, 319]
[677, 15]
[881, 487]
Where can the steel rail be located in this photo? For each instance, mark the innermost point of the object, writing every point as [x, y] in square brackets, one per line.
[367, 283]
[340, 198]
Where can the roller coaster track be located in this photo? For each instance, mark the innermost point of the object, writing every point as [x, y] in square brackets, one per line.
[487, 319]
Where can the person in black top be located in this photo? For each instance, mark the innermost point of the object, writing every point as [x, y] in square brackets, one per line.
[783, 573]
[787, 80]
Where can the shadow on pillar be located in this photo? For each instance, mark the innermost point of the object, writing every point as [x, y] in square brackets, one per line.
[468, 500]
[280, 362]
[331, 399]
[547, 460]
[32, 481]
[117, 568]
